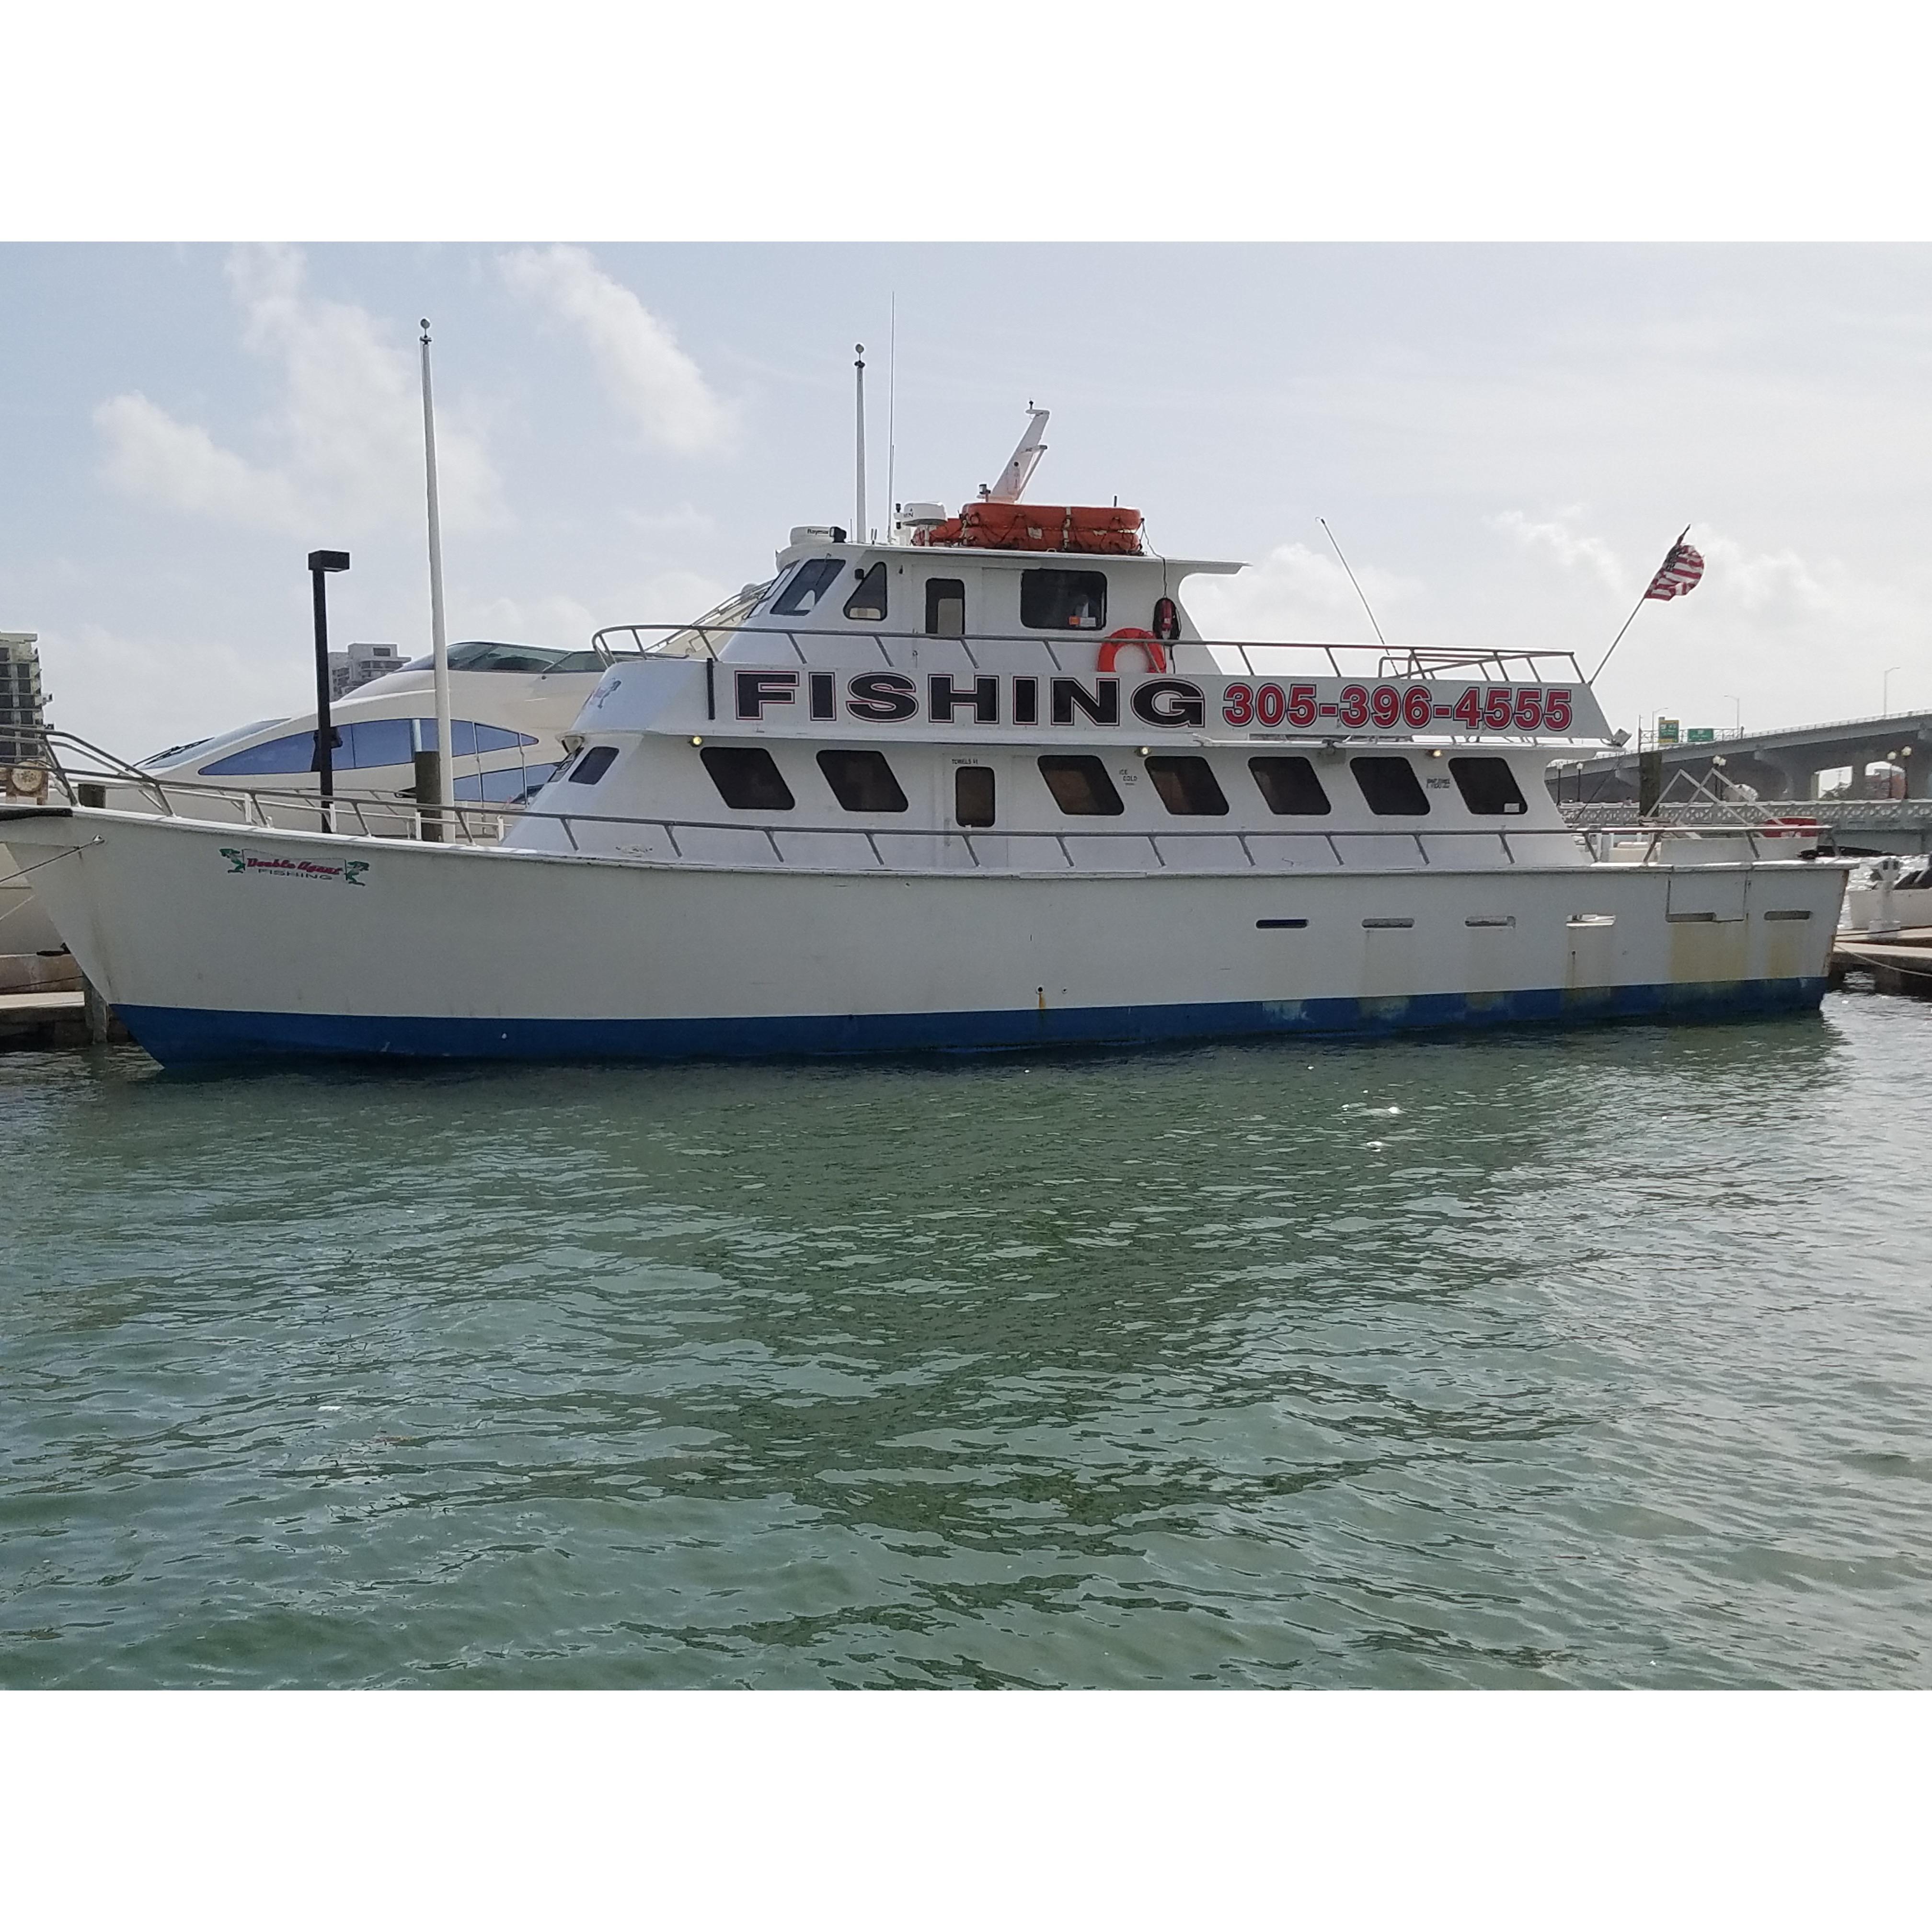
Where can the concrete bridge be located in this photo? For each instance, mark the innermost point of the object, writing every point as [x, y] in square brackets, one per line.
[1775, 764]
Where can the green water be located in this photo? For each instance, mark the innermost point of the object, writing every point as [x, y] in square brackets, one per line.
[1595, 1358]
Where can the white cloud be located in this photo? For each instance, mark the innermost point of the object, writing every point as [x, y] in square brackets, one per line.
[647, 375]
[179, 466]
[1573, 552]
[672, 597]
[345, 433]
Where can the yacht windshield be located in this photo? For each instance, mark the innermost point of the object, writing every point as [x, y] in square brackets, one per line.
[532, 660]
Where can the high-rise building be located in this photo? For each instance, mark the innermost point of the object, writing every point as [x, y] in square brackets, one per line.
[22, 706]
[359, 664]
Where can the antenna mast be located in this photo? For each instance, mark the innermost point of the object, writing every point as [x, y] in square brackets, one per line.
[445, 775]
[1372, 624]
[859, 523]
[892, 419]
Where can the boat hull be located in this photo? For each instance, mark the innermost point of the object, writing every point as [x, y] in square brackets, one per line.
[289, 945]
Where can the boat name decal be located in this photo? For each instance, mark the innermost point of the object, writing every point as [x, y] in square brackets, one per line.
[276, 865]
[898, 697]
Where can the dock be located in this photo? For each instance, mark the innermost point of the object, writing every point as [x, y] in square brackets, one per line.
[39, 1020]
[1900, 962]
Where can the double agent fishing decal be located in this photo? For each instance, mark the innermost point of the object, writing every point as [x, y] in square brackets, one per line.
[276, 865]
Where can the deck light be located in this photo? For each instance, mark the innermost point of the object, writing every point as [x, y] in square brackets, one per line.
[322, 563]
[698, 741]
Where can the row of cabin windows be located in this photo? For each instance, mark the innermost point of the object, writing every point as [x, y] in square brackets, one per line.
[363, 746]
[749, 780]
[1050, 600]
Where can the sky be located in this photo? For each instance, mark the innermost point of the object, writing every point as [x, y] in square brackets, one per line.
[1505, 439]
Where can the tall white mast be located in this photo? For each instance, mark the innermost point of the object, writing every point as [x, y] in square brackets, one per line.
[445, 770]
[892, 421]
[859, 527]
[1024, 461]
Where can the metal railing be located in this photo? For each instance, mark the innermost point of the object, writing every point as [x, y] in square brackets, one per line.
[972, 840]
[85, 774]
[1623, 814]
[1500, 666]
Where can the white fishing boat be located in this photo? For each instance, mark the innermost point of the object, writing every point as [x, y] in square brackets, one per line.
[983, 786]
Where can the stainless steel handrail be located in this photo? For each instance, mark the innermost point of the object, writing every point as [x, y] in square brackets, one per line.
[1423, 662]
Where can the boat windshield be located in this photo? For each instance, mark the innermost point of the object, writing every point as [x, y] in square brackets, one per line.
[532, 660]
[216, 743]
[703, 637]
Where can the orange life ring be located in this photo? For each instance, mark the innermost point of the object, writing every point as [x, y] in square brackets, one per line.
[1110, 650]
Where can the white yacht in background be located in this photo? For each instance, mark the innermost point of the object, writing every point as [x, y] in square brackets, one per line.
[982, 786]
[510, 704]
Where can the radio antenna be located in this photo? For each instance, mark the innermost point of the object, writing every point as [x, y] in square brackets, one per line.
[858, 525]
[893, 416]
[1376, 628]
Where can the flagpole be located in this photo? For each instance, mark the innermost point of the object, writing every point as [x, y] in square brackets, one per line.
[446, 768]
[1640, 603]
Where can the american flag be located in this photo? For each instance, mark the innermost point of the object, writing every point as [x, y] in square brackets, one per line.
[1679, 572]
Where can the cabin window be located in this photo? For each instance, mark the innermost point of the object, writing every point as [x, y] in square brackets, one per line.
[1488, 785]
[1081, 787]
[594, 763]
[1289, 787]
[1188, 787]
[746, 779]
[972, 794]
[945, 607]
[810, 582]
[869, 600]
[862, 780]
[509, 784]
[1063, 600]
[371, 742]
[1390, 787]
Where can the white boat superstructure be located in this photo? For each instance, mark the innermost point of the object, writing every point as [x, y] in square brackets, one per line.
[984, 786]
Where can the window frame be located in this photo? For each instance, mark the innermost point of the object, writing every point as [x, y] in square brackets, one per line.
[1325, 810]
[1039, 574]
[948, 585]
[822, 573]
[1514, 805]
[1390, 762]
[742, 757]
[868, 614]
[862, 757]
[1185, 770]
[1083, 764]
[960, 773]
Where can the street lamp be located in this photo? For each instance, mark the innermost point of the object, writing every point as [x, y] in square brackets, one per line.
[1885, 703]
[322, 563]
[1737, 715]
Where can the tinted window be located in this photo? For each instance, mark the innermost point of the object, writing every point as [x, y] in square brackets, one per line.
[945, 607]
[972, 794]
[1390, 787]
[295, 753]
[1081, 787]
[1487, 784]
[1188, 787]
[375, 741]
[594, 763]
[862, 780]
[869, 600]
[1289, 787]
[468, 737]
[509, 786]
[746, 779]
[1063, 600]
[809, 582]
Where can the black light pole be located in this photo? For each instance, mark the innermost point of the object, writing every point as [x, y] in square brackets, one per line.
[321, 562]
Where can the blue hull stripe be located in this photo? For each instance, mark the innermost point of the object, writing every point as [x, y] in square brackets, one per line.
[192, 1036]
